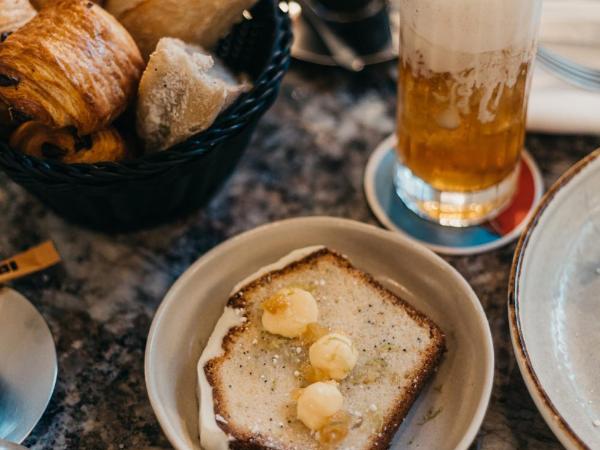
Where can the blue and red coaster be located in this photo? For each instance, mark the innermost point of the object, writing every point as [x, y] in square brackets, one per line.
[394, 215]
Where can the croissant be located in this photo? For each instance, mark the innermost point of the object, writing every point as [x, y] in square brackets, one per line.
[64, 144]
[197, 22]
[71, 65]
[13, 15]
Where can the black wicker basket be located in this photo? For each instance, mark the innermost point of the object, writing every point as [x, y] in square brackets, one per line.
[160, 187]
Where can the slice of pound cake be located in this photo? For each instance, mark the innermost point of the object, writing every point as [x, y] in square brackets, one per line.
[312, 353]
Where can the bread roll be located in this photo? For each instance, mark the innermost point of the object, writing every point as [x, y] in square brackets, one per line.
[13, 15]
[71, 65]
[63, 144]
[182, 91]
[201, 22]
[39, 4]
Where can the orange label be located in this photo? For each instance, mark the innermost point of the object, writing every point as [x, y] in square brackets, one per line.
[32, 260]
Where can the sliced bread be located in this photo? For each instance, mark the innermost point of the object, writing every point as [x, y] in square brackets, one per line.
[181, 93]
[253, 377]
[201, 22]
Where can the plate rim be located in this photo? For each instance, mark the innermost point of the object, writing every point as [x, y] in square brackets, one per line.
[557, 423]
[171, 295]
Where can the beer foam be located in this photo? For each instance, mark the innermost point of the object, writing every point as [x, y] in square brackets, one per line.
[482, 44]
[469, 27]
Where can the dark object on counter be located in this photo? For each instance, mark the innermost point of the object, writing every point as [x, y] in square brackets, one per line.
[364, 26]
[345, 5]
[160, 187]
[342, 53]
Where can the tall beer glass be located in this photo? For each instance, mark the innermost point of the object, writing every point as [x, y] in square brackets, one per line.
[465, 68]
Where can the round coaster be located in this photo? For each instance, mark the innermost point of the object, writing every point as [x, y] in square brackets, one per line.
[394, 215]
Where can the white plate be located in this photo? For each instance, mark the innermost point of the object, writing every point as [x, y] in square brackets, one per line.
[185, 319]
[554, 306]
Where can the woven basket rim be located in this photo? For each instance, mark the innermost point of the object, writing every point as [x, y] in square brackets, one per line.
[246, 109]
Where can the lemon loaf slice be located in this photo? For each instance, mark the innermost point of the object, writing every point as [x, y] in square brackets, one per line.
[250, 379]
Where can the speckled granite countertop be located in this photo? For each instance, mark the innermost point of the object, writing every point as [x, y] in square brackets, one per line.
[307, 158]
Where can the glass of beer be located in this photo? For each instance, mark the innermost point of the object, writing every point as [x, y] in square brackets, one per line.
[464, 73]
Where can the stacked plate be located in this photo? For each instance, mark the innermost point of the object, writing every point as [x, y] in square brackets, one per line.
[554, 306]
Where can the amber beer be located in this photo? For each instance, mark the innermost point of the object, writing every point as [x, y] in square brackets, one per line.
[455, 151]
[463, 84]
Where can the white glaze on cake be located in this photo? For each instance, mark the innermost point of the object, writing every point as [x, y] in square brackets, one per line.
[212, 437]
[293, 256]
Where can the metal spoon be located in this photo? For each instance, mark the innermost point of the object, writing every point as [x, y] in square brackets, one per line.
[341, 52]
[5, 445]
[28, 366]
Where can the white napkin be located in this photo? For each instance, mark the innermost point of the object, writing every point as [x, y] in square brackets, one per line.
[571, 28]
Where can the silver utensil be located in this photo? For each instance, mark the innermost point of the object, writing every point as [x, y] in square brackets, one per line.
[28, 366]
[6, 445]
[341, 52]
[570, 71]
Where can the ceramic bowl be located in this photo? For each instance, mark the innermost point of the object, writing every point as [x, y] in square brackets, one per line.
[554, 308]
[192, 306]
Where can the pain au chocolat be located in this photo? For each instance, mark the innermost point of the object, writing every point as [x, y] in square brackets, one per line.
[64, 144]
[72, 65]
